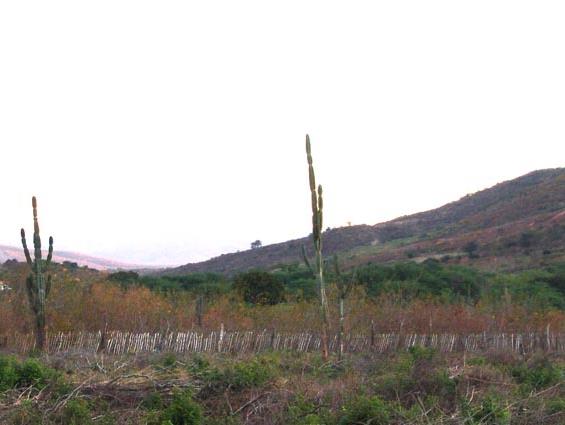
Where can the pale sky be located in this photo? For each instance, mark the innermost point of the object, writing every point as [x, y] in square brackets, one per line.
[166, 132]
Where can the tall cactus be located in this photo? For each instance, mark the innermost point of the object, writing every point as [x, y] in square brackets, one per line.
[38, 284]
[318, 269]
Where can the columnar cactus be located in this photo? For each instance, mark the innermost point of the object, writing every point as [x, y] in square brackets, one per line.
[318, 269]
[38, 284]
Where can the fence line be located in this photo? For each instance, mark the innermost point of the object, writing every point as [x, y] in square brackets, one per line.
[117, 342]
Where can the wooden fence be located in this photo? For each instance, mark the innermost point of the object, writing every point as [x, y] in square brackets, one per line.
[259, 341]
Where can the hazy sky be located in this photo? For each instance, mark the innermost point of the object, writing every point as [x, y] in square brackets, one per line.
[164, 132]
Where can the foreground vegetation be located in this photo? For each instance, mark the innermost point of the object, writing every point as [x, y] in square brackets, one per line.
[415, 387]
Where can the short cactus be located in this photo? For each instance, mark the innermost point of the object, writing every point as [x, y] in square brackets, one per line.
[38, 284]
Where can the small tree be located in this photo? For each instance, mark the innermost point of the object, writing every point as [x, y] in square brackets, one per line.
[38, 285]
[471, 249]
[259, 287]
[256, 244]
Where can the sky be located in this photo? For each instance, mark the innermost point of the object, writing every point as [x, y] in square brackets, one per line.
[167, 132]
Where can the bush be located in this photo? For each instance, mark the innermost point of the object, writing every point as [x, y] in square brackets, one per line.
[26, 414]
[183, 410]
[21, 374]
[540, 373]
[259, 287]
[248, 374]
[491, 411]
[153, 401]
[237, 376]
[8, 374]
[76, 412]
[32, 372]
[362, 410]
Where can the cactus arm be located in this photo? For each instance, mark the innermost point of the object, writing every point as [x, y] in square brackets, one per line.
[306, 261]
[50, 253]
[26, 250]
[36, 237]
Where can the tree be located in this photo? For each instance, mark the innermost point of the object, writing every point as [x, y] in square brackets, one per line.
[37, 284]
[256, 244]
[259, 287]
[471, 249]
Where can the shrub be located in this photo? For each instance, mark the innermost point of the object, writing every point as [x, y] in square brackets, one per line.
[8, 374]
[556, 406]
[32, 372]
[249, 374]
[491, 411]
[153, 401]
[259, 287]
[183, 410]
[76, 412]
[26, 414]
[237, 376]
[363, 410]
[20, 374]
[541, 373]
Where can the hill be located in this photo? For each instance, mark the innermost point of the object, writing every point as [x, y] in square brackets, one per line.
[12, 253]
[514, 224]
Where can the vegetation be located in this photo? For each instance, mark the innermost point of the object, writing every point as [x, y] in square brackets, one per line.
[417, 387]
[431, 296]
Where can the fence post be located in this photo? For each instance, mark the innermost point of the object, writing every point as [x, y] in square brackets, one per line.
[221, 338]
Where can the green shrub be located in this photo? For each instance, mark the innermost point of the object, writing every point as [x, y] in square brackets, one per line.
[490, 411]
[169, 361]
[556, 406]
[363, 410]
[306, 412]
[8, 373]
[249, 374]
[153, 401]
[237, 376]
[477, 361]
[76, 412]
[23, 374]
[420, 354]
[183, 410]
[32, 372]
[540, 373]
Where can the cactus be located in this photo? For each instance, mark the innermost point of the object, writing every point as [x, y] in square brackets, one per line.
[38, 284]
[318, 267]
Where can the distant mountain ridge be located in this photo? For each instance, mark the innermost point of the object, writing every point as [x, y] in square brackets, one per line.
[516, 217]
[10, 253]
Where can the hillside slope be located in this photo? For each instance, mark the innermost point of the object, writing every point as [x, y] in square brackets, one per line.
[523, 217]
[12, 253]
